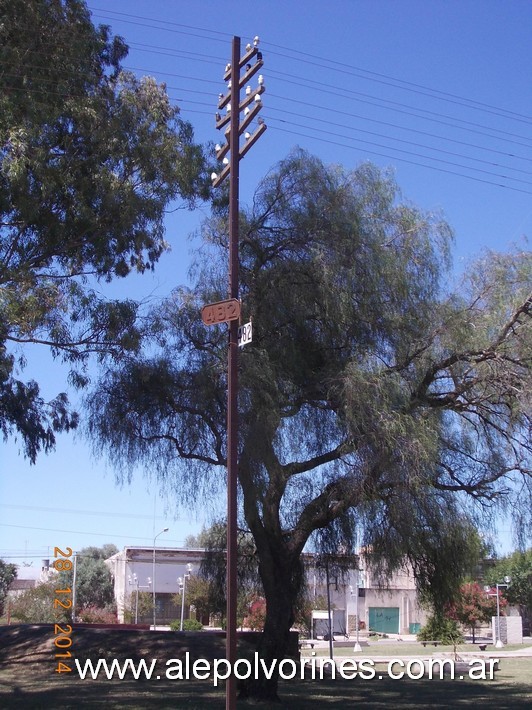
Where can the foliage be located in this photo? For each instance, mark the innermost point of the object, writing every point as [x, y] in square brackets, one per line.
[192, 625]
[188, 625]
[214, 569]
[473, 606]
[256, 615]
[8, 573]
[441, 628]
[518, 567]
[94, 582]
[92, 614]
[144, 606]
[198, 594]
[372, 398]
[36, 606]
[90, 157]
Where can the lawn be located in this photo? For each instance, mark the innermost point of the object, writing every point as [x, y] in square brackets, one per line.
[28, 681]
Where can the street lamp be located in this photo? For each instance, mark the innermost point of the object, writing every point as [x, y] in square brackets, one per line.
[135, 581]
[182, 588]
[506, 583]
[357, 646]
[153, 572]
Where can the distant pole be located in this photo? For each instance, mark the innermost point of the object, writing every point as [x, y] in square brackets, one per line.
[153, 574]
[357, 647]
[236, 128]
[329, 613]
[183, 584]
[74, 579]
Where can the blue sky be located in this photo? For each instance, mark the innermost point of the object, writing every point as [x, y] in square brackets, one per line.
[437, 92]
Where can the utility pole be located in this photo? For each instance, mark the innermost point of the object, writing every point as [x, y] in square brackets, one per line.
[249, 107]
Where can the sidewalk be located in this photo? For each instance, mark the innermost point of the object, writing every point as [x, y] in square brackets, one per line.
[371, 649]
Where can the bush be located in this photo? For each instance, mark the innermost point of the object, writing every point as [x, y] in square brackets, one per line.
[192, 625]
[36, 606]
[188, 625]
[439, 628]
[256, 616]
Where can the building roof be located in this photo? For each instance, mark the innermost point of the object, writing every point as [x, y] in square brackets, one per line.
[20, 585]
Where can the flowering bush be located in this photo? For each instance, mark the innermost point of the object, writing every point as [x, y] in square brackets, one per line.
[257, 615]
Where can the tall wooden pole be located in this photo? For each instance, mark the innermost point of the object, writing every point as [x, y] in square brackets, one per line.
[220, 312]
[232, 384]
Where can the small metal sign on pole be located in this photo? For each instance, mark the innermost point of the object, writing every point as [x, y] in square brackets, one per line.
[245, 334]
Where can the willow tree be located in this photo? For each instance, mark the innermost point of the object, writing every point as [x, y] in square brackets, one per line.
[90, 158]
[371, 397]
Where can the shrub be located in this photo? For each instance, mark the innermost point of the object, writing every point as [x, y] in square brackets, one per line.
[192, 625]
[439, 628]
[188, 625]
[256, 616]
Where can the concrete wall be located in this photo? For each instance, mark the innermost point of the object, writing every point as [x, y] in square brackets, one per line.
[511, 629]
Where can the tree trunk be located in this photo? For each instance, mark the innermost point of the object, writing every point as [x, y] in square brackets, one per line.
[281, 577]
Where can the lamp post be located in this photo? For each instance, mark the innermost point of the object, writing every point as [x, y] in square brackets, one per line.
[357, 646]
[506, 583]
[135, 581]
[182, 588]
[153, 573]
[329, 612]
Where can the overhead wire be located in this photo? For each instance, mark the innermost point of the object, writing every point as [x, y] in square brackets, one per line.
[427, 91]
[342, 67]
[411, 162]
[348, 94]
[377, 153]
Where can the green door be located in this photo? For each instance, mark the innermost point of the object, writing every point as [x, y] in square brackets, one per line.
[384, 619]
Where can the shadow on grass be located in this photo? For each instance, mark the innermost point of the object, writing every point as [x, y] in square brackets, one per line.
[28, 682]
[30, 689]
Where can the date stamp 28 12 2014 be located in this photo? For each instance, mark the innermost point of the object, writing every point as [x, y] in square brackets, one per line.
[62, 601]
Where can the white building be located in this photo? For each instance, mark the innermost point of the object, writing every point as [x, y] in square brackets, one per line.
[146, 567]
[392, 610]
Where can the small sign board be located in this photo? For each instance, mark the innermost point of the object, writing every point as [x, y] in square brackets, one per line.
[221, 312]
[245, 334]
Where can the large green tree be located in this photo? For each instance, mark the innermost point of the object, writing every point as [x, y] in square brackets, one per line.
[90, 158]
[372, 397]
[94, 582]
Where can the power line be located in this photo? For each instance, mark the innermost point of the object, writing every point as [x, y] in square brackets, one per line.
[111, 514]
[399, 140]
[77, 532]
[404, 160]
[341, 67]
[351, 95]
[419, 89]
[413, 111]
